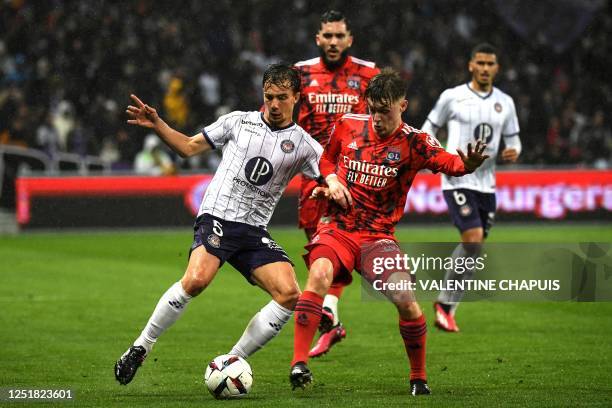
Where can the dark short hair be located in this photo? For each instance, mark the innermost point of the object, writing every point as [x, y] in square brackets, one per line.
[484, 48]
[282, 74]
[386, 87]
[331, 16]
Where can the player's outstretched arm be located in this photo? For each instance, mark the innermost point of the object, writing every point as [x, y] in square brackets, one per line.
[146, 116]
[475, 157]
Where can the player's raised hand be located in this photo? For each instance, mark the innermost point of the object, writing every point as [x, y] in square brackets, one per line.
[338, 192]
[475, 157]
[141, 114]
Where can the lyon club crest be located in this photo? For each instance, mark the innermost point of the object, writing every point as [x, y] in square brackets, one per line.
[393, 155]
[353, 82]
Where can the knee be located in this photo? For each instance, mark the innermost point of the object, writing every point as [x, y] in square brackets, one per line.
[193, 286]
[473, 236]
[195, 281]
[287, 297]
[320, 276]
[408, 310]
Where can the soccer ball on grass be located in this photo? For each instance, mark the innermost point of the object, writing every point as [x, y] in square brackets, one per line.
[228, 376]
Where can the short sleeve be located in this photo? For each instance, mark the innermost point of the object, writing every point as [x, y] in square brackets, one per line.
[219, 132]
[440, 114]
[310, 167]
[511, 125]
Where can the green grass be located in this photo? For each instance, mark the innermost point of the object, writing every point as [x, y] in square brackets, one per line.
[72, 303]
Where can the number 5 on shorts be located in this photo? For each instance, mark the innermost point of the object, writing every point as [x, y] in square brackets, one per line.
[217, 228]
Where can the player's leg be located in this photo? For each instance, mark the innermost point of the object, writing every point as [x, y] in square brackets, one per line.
[331, 329]
[471, 240]
[465, 210]
[308, 316]
[413, 329]
[308, 308]
[324, 263]
[412, 324]
[309, 213]
[200, 272]
[278, 279]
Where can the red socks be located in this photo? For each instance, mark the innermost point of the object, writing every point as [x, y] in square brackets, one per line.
[307, 316]
[414, 334]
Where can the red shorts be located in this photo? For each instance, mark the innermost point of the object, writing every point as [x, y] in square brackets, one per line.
[349, 250]
[309, 211]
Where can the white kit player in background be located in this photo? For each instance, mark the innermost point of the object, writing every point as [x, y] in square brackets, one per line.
[476, 111]
[261, 154]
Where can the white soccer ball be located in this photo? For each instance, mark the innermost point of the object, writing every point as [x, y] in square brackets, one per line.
[228, 376]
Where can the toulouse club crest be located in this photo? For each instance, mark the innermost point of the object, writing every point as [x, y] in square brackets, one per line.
[287, 146]
[214, 240]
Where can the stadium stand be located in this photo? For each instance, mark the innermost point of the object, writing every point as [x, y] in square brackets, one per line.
[68, 67]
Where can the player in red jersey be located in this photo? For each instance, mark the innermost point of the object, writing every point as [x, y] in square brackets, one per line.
[369, 165]
[332, 85]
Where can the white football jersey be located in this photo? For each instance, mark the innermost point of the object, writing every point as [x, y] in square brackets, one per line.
[471, 116]
[258, 162]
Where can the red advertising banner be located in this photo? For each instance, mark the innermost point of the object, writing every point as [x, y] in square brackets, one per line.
[544, 194]
[547, 194]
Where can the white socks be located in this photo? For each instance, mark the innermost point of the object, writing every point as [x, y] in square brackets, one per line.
[168, 310]
[453, 297]
[262, 328]
[331, 302]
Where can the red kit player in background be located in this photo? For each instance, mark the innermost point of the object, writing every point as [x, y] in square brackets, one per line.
[332, 85]
[369, 165]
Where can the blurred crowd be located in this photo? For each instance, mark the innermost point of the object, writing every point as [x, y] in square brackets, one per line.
[67, 68]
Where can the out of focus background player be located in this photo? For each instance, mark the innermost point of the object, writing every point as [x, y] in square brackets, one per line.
[474, 111]
[332, 85]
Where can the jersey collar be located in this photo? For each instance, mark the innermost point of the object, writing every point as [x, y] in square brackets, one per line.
[339, 67]
[477, 94]
[274, 128]
[390, 137]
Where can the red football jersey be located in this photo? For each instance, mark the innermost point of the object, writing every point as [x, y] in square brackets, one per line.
[327, 95]
[379, 172]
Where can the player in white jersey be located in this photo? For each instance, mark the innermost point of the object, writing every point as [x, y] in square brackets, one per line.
[476, 111]
[261, 153]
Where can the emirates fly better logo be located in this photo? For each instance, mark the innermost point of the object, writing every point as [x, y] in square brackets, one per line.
[369, 174]
[332, 102]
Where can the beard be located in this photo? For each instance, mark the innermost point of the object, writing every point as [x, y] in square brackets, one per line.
[331, 65]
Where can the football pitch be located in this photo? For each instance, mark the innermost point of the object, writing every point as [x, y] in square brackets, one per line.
[73, 302]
